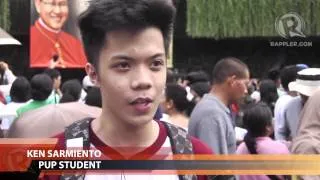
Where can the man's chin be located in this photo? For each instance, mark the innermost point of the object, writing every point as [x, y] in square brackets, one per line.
[139, 121]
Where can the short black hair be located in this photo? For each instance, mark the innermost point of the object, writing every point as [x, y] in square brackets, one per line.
[200, 88]
[227, 67]
[197, 76]
[20, 90]
[71, 91]
[289, 74]
[171, 76]
[274, 74]
[268, 93]
[52, 73]
[178, 95]
[104, 16]
[41, 87]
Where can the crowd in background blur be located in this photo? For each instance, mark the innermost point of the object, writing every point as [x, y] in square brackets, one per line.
[19, 95]
[228, 110]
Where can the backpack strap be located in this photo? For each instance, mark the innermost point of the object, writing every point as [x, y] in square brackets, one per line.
[180, 144]
[78, 130]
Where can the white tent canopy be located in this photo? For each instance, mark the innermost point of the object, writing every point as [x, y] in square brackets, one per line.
[7, 39]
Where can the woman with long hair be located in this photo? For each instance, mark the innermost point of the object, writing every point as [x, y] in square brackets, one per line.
[257, 119]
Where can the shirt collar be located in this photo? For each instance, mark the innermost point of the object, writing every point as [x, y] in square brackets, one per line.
[41, 22]
[220, 103]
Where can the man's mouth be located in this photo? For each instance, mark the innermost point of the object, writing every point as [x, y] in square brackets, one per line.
[56, 18]
[141, 101]
[141, 105]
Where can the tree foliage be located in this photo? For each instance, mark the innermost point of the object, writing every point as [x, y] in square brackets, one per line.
[247, 18]
[5, 15]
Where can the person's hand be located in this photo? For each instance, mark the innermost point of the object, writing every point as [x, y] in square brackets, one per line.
[53, 64]
[3, 65]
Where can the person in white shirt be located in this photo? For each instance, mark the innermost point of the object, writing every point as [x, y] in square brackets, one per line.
[288, 74]
[6, 78]
[6, 75]
[20, 93]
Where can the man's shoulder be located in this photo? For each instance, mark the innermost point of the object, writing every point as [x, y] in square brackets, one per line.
[294, 100]
[209, 111]
[24, 108]
[284, 99]
[293, 104]
[206, 107]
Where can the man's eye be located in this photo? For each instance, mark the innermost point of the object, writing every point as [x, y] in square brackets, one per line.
[157, 64]
[122, 66]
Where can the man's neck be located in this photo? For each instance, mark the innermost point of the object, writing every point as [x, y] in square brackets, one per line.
[115, 133]
[43, 24]
[219, 92]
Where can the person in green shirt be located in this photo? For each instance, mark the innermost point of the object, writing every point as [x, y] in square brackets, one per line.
[41, 88]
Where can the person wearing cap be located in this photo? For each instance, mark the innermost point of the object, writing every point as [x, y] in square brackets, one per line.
[307, 82]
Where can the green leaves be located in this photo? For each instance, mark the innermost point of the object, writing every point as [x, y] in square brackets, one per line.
[247, 18]
[5, 15]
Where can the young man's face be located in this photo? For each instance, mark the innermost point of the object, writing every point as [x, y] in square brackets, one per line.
[132, 74]
[54, 13]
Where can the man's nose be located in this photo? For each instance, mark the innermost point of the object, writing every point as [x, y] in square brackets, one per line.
[245, 90]
[56, 8]
[141, 79]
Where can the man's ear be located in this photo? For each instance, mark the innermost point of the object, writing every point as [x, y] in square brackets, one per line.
[93, 74]
[232, 80]
[37, 4]
[169, 104]
[269, 130]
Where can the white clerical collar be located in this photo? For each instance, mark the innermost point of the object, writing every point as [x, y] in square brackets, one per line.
[47, 27]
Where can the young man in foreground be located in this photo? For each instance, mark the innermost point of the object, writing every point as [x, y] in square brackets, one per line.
[126, 43]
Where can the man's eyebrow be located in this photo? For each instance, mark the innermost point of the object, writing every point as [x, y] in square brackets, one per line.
[126, 57]
[122, 56]
[157, 55]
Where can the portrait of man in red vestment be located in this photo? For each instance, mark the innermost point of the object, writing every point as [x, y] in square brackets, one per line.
[50, 46]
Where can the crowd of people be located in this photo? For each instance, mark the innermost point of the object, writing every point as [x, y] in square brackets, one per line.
[21, 95]
[269, 118]
[144, 104]
[230, 112]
